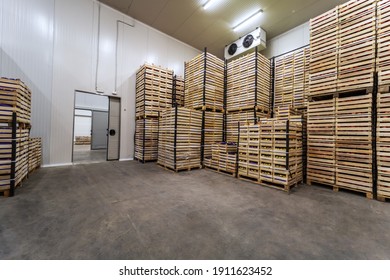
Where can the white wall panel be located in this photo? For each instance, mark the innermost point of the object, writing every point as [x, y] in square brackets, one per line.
[27, 53]
[71, 71]
[52, 45]
[292, 39]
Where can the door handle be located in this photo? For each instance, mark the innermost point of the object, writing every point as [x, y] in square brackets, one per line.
[112, 132]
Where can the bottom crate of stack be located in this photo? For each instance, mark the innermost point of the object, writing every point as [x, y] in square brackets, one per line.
[383, 160]
[270, 153]
[179, 139]
[21, 158]
[223, 158]
[34, 154]
[146, 139]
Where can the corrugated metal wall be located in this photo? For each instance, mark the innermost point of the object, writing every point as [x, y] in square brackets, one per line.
[52, 45]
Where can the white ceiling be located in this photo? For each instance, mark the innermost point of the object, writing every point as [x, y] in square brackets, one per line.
[187, 21]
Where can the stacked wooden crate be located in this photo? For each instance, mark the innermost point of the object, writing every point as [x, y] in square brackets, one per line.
[299, 116]
[354, 143]
[154, 87]
[248, 92]
[204, 90]
[146, 139]
[179, 144]
[204, 82]
[213, 130]
[340, 142]
[248, 83]
[82, 140]
[270, 153]
[321, 140]
[263, 150]
[34, 154]
[324, 53]
[291, 79]
[383, 142]
[223, 158]
[178, 91]
[383, 39]
[15, 116]
[356, 51]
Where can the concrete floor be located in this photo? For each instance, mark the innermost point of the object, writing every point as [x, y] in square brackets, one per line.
[126, 210]
[84, 154]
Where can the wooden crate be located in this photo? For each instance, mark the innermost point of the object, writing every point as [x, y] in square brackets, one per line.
[248, 87]
[82, 140]
[383, 39]
[324, 32]
[383, 142]
[34, 154]
[242, 117]
[204, 82]
[15, 97]
[179, 91]
[291, 79]
[21, 162]
[223, 159]
[154, 86]
[213, 130]
[356, 52]
[179, 144]
[270, 153]
[146, 139]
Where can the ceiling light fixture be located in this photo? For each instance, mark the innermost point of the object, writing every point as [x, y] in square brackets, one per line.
[208, 4]
[238, 26]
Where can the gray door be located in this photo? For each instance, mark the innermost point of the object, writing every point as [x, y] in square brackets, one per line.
[114, 123]
[99, 130]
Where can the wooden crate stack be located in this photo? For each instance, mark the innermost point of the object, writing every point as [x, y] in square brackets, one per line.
[179, 145]
[300, 116]
[223, 159]
[291, 79]
[178, 91]
[248, 83]
[34, 154]
[383, 142]
[204, 83]
[146, 139]
[15, 120]
[213, 130]
[383, 39]
[270, 153]
[340, 142]
[248, 92]
[321, 141]
[356, 50]
[154, 88]
[82, 140]
[354, 165]
[204, 90]
[324, 53]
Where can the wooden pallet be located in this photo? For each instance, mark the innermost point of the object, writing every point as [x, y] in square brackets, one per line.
[331, 186]
[82, 140]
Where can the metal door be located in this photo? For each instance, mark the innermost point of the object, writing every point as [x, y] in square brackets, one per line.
[99, 130]
[114, 122]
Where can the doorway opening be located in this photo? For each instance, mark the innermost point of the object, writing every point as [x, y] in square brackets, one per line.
[91, 118]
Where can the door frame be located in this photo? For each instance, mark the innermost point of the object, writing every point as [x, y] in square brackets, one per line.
[74, 115]
[120, 124]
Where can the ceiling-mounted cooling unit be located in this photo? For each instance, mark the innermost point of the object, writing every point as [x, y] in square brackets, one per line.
[256, 38]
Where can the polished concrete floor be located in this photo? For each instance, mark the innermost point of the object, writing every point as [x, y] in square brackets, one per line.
[126, 210]
[84, 154]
